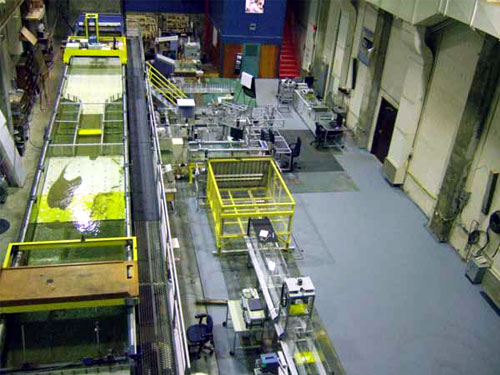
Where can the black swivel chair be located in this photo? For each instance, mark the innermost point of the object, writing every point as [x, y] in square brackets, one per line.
[295, 148]
[272, 136]
[319, 135]
[263, 135]
[200, 336]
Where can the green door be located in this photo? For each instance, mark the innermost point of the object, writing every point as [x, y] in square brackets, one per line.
[251, 55]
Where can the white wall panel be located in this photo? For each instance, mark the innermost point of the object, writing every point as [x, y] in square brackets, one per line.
[396, 63]
[487, 158]
[453, 72]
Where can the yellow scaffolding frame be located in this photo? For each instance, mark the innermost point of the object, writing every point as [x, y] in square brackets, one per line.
[120, 42]
[68, 244]
[120, 52]
[91, 17]
[230, 211]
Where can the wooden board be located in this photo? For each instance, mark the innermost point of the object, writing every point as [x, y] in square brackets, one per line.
[28, 35]
[21, 286]
[268, 64]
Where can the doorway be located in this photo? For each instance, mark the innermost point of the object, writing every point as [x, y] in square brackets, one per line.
[251, 57]
[384, 129]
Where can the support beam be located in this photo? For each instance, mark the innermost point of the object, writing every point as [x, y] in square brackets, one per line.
[474, 118]
[375, 70]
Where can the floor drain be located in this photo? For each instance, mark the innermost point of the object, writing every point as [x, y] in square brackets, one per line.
[4, 226]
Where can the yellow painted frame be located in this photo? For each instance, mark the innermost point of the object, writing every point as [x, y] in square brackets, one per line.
[44, 245]
[66, 244]
[95, 18]
[120, 53]
[235, 213]
[170, 91]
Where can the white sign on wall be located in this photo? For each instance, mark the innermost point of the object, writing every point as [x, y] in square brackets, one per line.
[215, 37]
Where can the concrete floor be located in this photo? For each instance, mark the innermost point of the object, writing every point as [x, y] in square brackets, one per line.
[394, 300]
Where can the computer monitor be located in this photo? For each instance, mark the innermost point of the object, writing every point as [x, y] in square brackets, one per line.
[236, 133]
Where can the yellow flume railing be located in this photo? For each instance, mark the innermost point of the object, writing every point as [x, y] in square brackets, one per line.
[161, 84]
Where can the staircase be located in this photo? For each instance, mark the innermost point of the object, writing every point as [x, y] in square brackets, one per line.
[289, 67]
[162, 87]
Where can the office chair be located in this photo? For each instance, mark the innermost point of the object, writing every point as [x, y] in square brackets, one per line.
[272, 137]
[295, 147]
[200, 336]
[263, 135]
[319, 135]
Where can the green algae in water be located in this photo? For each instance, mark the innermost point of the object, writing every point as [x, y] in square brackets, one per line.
[69, 231]
[66, 335]
[61, 192]
[106, 205]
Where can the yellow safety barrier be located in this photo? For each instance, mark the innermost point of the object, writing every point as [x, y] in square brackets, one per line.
[68, 244]
[161, 84]
[239, 189]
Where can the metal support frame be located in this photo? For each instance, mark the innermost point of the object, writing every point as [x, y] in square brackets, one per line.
[259, 258]
[232, 206]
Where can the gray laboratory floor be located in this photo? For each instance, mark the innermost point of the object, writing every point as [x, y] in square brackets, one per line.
[394, 301]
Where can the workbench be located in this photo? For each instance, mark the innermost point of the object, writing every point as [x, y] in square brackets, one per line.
[234, 313]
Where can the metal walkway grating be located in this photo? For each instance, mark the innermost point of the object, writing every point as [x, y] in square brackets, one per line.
[155, 356]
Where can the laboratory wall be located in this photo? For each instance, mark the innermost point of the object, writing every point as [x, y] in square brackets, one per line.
[75, 7]
[428, 68]
[304, 22]
[341, 56]
[487, 159]
[367, 19]
[454, 67]
[395, 65]
[162, 6]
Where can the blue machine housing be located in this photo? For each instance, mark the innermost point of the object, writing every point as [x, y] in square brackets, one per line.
[109, 25]
[269, 363]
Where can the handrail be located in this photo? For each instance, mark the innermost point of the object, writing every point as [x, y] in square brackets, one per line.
[170, 91]
[166, 81]
[179, 330]
[166, 94]
[163, 82]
